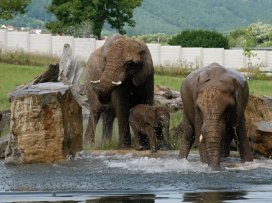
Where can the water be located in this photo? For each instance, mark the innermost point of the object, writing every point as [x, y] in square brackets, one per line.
[131, 178]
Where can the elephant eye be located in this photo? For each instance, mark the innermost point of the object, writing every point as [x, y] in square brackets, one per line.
[105, 59]
[130, 64]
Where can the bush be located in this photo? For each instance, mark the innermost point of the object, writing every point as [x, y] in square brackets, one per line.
[199, 38]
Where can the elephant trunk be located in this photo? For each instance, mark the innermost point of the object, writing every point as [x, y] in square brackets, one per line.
[109, 80]
[213, 132]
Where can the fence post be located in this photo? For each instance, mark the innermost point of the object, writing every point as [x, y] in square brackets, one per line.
[201, 58]
[5, 39]
[180, 53]
[50, 43]
[244, 59]
[266, 58]
[223, 57]
[159, 54]
[28, 42]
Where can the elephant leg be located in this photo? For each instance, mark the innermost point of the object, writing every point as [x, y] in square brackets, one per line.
[229, 135]
[108, 118]
[243, 141]
[137, 138]
[160, 137]
[151, 137]
[124, 131]
[188, 138]
[89, 137]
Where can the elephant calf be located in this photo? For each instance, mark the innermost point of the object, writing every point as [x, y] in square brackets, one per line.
[149, 121]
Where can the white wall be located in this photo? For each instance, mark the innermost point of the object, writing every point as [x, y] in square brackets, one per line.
[40, 43]
[170, 55]
[166, 55]
[18, 40]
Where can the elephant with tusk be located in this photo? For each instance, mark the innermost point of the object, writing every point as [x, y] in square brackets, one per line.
[118, 76]
[214, 100]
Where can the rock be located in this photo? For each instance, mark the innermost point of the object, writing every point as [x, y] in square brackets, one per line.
[164, 96]
[5, 121]
[46, 125]
[267, 101]
[3, 145]
[261, 138]
[256, 111]
[50, 75]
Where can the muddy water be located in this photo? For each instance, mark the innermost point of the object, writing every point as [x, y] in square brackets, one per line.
[132, 178]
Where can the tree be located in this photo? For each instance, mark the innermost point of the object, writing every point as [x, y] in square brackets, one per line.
[8, 8]
[199, 38]
[72, 12]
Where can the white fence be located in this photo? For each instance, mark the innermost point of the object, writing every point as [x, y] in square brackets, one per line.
[165, 55]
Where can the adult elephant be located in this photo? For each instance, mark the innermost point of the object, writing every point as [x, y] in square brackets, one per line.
[118, 76]
[214, 100]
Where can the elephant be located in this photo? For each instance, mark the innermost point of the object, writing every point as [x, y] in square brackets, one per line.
[149, 121]
[118, 76]
[214, 100]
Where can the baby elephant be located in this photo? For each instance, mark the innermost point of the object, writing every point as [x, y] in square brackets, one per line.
[149, 121]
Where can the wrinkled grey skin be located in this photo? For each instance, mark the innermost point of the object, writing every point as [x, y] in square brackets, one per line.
[214, 100]
[120, 60]
[149, 121]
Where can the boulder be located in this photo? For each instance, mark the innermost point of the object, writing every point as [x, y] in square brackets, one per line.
[267, 101]
[261, 138]
[46, 125]
[256, 111]
[3, 145]
[164, 96]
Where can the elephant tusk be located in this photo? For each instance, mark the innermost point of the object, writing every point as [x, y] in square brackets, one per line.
[201, 138]
[95, 82]
[117, 83]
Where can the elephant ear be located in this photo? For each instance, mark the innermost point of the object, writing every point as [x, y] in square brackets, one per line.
[147, 68]
[150, 117]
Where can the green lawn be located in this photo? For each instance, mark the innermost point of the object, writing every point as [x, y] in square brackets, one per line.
[12, 76]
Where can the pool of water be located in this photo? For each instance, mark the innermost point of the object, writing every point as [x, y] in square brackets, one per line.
[133, 178]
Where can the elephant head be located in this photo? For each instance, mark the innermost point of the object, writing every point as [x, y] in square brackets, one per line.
[124, 62]
[215, 102]
[158, 117]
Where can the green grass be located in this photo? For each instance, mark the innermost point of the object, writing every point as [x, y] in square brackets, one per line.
[12, 76]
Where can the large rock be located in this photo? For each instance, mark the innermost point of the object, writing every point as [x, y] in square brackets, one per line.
[46, 124]
[256, 111]
[261, 138]
[3, 145]
[164, 96]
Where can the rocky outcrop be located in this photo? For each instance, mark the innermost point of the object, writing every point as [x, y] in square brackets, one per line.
[256, 111]
[46, 124]
[164, 96]
[261, 138]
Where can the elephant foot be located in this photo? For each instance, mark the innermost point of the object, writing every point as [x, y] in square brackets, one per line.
[153, 151]
[139, 147]
[165, 148]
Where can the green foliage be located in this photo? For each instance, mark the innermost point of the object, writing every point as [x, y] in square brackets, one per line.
[257, 34]
[9, 8]
[73, 12]
[199, 38]
[152, 38]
